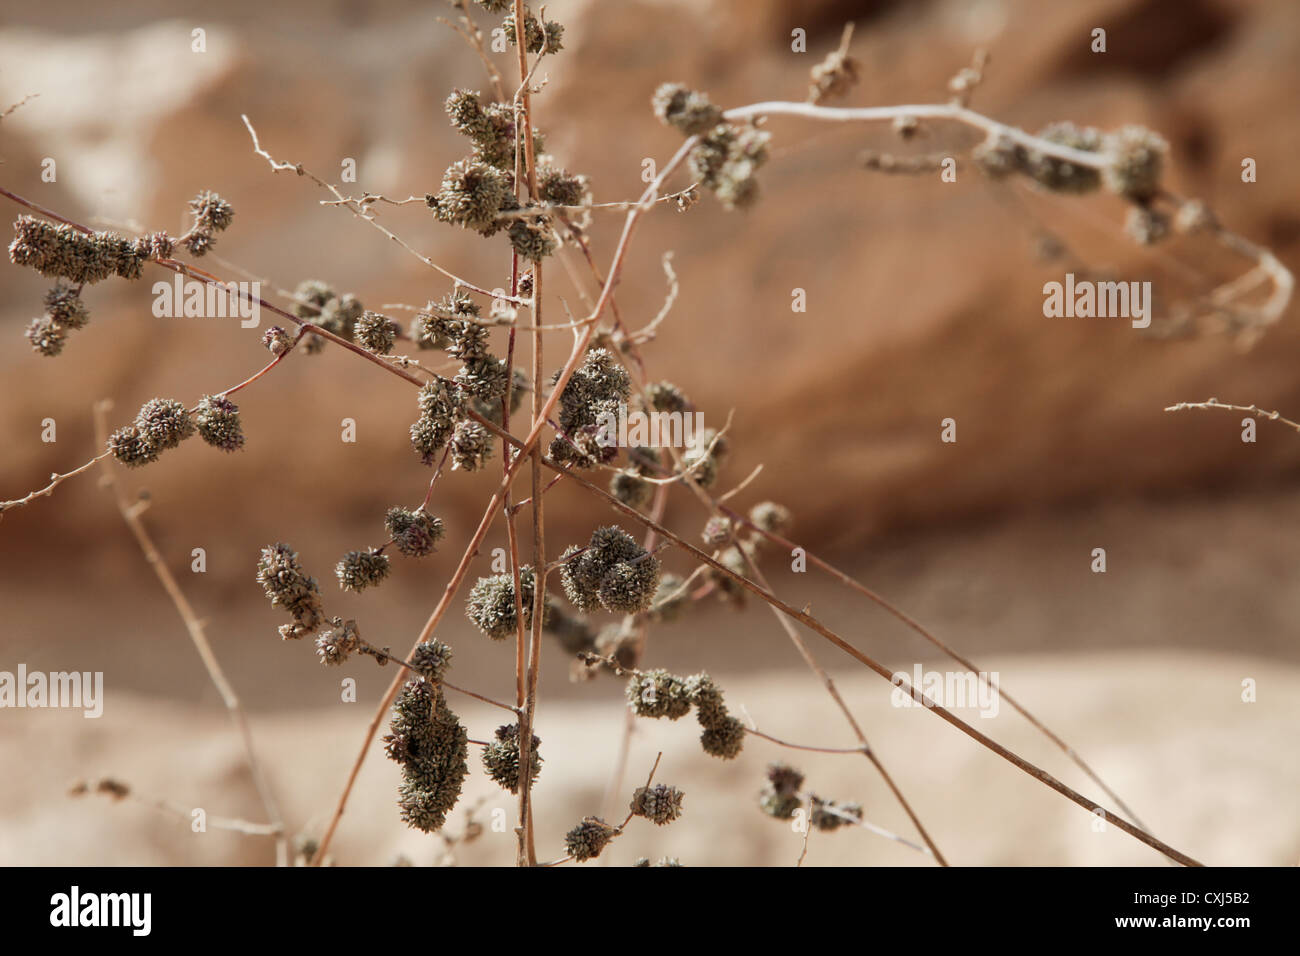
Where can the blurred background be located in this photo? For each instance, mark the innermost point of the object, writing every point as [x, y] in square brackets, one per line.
[924, 303]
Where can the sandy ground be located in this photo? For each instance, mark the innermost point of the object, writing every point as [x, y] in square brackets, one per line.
[1141, 669]
[1213, 776]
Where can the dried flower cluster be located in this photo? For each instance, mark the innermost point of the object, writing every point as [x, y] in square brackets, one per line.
[783, 796]
[161, 424]
[596, 391]
[658, 693]
[289, 587]
[212, 215]
[501, 757]
[613, 572]
[661, 804]
[432, 747]
[491, 604]
[586, 840]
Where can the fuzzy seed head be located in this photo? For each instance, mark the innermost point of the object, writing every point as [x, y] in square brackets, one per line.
[360, 569]
[558, 186]
[660, 804]
[289, 587]
[631, 489]
[164, 423]
[472, 194]
[613, 572]
[211, 212]
[471, 446]
[276, 340]
[336, 644]
[414, 532]
[501, 758]
[63, 305]
[129, 448]
[491, 604]
[217, 419]
[689, 112]
[431, 659]
[724, 739]
[828, 815]
[1137, 160]
[375, 332]
[586, 840]
[427, 739]
[658, 693]
[47, 336]
[532, 239]
[771, 517]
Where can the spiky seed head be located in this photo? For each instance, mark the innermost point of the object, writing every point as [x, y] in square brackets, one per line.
[658, 693]
[771, 517]
[360, 569]
[471, 446]
[660, 804]
[63, 305]
[688, 111]
[414, 532]
[501, 758]
[375, 332]
[1137, 158]
[211, 212]
[217, 420]
[631, 489]
[337, 643]
[130, 448]
[431, 659]
[288, 586]
[717, 530]
[724, 739]
[276, 340]
[588, 838]
[828, 815]
[46, 336]
[164, 423]
[491, 604]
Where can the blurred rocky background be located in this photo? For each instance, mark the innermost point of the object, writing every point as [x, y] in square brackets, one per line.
[924, 303]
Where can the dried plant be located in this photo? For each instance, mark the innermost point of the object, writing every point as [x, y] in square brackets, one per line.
[506, 190]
